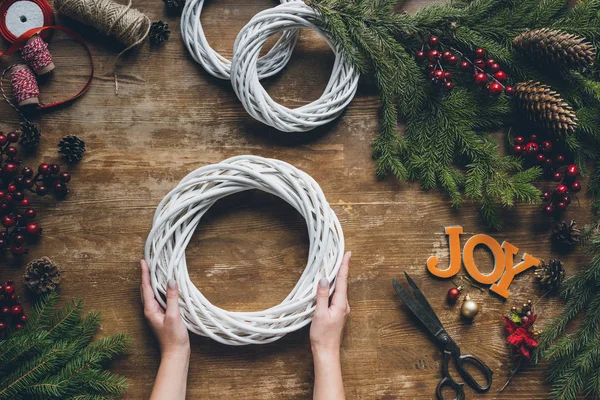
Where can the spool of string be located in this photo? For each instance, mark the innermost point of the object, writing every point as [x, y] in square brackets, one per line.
[36, 54]
[24, 85]
[128, 25]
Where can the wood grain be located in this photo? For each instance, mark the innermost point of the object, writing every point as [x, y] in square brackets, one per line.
[171, 117]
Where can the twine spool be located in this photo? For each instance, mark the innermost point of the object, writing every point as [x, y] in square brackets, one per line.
[181, 211]
[19, 16]
[35, 53]
[128, 25]
[24, 85]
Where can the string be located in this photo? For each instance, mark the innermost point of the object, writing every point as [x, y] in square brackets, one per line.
[126, 24]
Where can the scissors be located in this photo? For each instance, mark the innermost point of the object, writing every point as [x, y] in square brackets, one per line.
[420, 307]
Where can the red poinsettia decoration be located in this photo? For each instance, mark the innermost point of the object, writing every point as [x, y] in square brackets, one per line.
[521, 337]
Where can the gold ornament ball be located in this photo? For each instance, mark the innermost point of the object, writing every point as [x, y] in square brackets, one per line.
[469, 308]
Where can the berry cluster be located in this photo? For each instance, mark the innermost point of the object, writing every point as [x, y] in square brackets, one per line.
[11, 311]
[556, 169]
[16, 215]
[486, 72]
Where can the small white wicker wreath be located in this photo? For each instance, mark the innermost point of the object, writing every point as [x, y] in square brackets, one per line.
[180, 212]
[219, 66]
[246, 73]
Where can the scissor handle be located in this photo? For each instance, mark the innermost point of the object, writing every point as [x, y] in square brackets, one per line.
[458, 388]
[487, 372]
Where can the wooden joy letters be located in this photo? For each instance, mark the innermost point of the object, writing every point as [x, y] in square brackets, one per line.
[504, 269]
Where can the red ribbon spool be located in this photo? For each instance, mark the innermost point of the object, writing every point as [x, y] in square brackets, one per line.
[27, 20]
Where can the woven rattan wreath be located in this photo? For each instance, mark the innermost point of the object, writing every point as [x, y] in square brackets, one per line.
[180, 212]
[246, 73]
[219, 66]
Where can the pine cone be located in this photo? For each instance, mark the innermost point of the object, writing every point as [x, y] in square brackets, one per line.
[546, 107]
[174, 5]
[42, 276]
[550, 275]
[159, 32]
[557, 47]
[72, 148]
[30, 135]
[565, 234]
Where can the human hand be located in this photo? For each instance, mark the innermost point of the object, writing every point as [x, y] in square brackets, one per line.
[168, 327]
[329, 320]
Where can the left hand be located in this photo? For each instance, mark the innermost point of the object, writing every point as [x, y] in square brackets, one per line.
[168, 327]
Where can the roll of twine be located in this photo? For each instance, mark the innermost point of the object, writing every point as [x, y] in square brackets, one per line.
[36, 54]
[126, 24]
[19, 16]
[181, 211]
[24, 84]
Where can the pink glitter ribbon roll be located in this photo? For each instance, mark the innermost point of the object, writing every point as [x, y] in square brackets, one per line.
[24, 84]
[36, 54]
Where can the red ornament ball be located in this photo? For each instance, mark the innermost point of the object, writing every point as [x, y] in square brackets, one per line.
[561, 189]
[479, 52]
[572, 170]
[509, 90]
[465, 65]
[453, 294]
[433, 40]
[575, 187]
[557, 176]
[495, 88]
[500, 75]
[420, 55]
[480, 78]
[531, 148]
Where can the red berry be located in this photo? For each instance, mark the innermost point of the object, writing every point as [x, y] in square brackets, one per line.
[12, 137]
[431, 66]
[25, 202]
[10, 168]
[567, 199]
[44, 169]
[27, 182]
[11, 151]
[560, 159]
[447, 76]
[420, 55]
[433, 55]
[27, 172]
[452, 60]
[433, 40]
[13, 297]
[479, 52]
[30, 213]
[8, 221]
[33, 229]
[23, 318]
[480, 78]
[2, 326]
[531, 148]
[55, 168]
[518, 149]
[540, 158]
[465, 65]
[495, 88]
[489, 62]
[438, 73]
[572, 170]
[519, 140]
[533, 138]
[479, 63]
[18, 196]
[453, 295]
[17, 250]
[561, 205]
[3, 139]
[5, 310]
[60, 189]
[548, 210]
[41, 190]
[11, 188]
[575, 187]
[9, 289]
[19, 326]
[495, 67]
[557, 176]
[446, 54]
[509, 90]
[546, 196]
[448, 85]
[500, 75]
[546, 146]
[16, 310]
[561, 189]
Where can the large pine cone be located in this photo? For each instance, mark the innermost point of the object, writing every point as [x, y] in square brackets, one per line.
[565, 234]
[545, 107]
[557, 47]
[42, 275]
[550, 275]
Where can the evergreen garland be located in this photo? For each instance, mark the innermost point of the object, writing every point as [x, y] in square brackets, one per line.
[445, 142]
[54, 356]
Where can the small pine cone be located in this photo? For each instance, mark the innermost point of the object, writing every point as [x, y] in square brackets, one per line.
[550, 275]
[30, 135]
[42, 276]
[159, 32]
[72, 148]
[565, 234]
[174, 5]
[546, 107]
[557, 47]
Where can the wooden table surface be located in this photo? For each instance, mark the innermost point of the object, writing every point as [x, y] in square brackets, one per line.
[170, 118]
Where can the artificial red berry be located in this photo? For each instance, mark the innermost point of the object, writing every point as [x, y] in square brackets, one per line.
[518, 149]
[438, 74]
[25, 202]
[531, 148]
[9, 289]
[480, 78]
[33, 229]
[18, 196]
[567, 199]
[561, 189]
[479, 52]
[572, 170]
[509, 90]
[575, 187]
[452, 60]
[16, 310]
[11, 188]
[548, 210]
[433, 55]
[561, 205]
[546, 146]
[27, 182]
[447, 76]
[431, 66]
[30, 213]
[60, 189]
[489, 62]
[448, 85]
[44, 169]
[560, 159]
[495, 88]
[10, 168]
[465, 65]
[12, 137]
[494, 67]
[453, 294]
[420, 55]
[55, 168]
[546, 196]
[23, 318]
[41, 190]
[13, 297]
[8, 221]
[446, 54]
[2, 326]
[27, 172]
[500, 75]
[19, 326]
[479, 63]
[11, 151]
[540, 158]
[557, 176]
[3, 139]
[533, 138]
[19, 239]
[5, 310]
[519, 140]
[433, 40]
[17, 250]
[548, 162]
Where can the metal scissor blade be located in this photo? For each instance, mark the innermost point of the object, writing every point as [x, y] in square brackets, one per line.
[433, 326]
[423, 300]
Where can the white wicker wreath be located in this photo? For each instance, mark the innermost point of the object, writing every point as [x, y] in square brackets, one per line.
[246, 72]
[219, 66]
[180, 212]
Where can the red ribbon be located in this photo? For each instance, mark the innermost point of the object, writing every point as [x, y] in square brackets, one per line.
[42, 4]
[21, 40]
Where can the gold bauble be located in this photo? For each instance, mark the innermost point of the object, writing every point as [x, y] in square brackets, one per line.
[469, 308]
